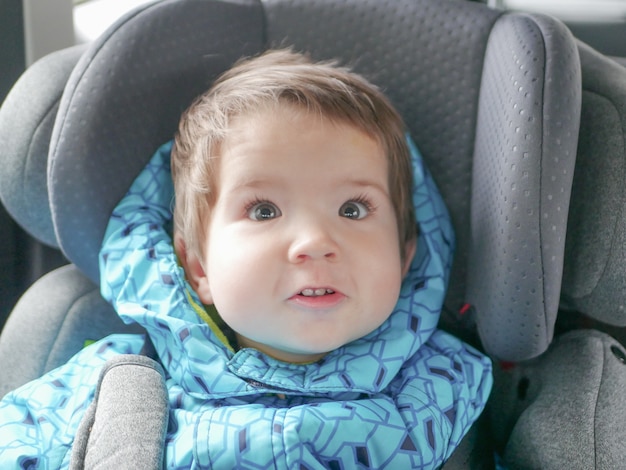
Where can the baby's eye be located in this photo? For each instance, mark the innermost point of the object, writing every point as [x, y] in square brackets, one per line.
[263, 211]
[354, 210]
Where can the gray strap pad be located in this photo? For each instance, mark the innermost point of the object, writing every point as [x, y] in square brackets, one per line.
[125, 425]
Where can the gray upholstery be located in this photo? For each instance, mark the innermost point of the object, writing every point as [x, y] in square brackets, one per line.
[126, 423]
[526, 138]
[594, 279]
[566, 409]
[142, 74]
[51, 322]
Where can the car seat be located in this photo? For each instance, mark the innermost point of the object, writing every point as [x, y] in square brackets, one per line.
[491, 98]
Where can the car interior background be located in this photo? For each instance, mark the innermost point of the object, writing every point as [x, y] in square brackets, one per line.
[521, 122]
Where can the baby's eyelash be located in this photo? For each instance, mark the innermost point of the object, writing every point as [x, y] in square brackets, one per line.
[262, 210]
[366, 201]
[255, 201]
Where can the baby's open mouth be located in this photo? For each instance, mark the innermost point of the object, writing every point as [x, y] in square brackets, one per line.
[316, 292]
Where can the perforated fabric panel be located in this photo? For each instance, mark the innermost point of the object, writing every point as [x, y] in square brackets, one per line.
[125, 98]
[594, 278]
[427, 57]
[523, 169]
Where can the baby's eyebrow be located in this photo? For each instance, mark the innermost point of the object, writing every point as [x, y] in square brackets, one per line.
[365, 184]
[252, 182]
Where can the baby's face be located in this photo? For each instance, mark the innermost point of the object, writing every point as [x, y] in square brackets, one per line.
[302, 252]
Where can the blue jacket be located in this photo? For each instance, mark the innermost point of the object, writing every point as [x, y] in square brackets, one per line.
[401, 397]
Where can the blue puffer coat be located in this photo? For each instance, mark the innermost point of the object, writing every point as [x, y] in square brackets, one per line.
[402, 397]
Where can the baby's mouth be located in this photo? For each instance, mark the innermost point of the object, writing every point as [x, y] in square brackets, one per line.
[318, 299]
[316, 292]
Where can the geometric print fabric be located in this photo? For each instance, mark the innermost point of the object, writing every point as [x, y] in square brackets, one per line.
[402, 397]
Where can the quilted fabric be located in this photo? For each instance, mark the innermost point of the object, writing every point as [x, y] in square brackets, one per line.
[402, 397]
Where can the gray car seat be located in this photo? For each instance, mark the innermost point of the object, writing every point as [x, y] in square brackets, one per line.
[491, 98]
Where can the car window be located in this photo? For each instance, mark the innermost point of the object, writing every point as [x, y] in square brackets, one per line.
[92, 17]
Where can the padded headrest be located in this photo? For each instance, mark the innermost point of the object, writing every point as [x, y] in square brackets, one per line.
[26, 120]
[594, 278]
[124, 99]
[523, 169]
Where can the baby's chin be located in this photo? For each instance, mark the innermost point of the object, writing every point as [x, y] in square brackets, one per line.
[294, 355]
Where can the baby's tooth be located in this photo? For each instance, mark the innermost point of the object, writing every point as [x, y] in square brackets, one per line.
[316, 292]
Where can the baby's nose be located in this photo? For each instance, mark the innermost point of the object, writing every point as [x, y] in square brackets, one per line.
[313, 241]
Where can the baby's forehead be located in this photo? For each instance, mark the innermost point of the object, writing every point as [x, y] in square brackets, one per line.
[278, 132]
[270, 142]
[257, 116]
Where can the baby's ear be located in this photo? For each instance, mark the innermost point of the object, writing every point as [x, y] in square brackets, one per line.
[409, 253]
[194, 270]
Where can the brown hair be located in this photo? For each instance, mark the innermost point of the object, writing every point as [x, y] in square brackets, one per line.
[274, 78]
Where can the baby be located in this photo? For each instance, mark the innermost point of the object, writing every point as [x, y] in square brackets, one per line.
[293, 205]
[294, 309]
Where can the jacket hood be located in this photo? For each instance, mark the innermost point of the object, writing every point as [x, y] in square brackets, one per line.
[197, 356]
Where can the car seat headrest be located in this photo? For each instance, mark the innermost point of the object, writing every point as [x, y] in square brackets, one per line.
[124, 99]
[128, 90]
